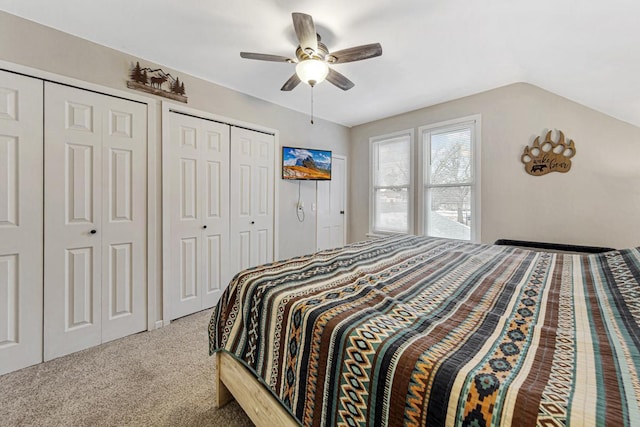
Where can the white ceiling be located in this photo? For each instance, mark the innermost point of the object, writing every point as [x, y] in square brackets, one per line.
[433, 50]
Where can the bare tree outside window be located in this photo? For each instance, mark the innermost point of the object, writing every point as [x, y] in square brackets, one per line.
[447, 182]
[448, 199]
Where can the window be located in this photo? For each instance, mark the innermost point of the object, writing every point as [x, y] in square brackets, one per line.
[450, 171]
[390, 185]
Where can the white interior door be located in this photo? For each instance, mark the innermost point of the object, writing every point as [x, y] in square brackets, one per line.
[252, 189]
[215, 211]
[73, 174]
[124, 218]
[20, 222]
[331, 217]
[197, 164]
[95, 219]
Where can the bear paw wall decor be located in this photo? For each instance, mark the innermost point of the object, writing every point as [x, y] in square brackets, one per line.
[550, 156]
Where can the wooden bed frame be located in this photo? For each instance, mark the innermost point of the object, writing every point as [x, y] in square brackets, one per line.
[234, 380]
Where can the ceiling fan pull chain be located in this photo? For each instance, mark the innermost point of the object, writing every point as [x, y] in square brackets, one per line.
[311, 104]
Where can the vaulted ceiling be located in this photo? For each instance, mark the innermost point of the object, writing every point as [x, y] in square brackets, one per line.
[433, 50]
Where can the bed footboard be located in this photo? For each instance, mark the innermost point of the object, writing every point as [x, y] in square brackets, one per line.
[233, 380]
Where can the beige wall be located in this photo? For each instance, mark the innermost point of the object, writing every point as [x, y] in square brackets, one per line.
[596, 203]
[32, 45]
[27, 43]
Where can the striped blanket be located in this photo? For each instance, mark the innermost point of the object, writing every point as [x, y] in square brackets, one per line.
[418, 331]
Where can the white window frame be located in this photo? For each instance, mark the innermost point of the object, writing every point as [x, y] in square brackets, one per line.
[372, 170]
[475, 123]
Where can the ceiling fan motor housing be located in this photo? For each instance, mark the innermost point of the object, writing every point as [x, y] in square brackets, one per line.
[320, 54]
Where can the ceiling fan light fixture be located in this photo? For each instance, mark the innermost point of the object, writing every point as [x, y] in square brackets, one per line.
[313, 57]
[312, 71]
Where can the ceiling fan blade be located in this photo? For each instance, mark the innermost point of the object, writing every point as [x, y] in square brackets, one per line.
[265, 57]
[291, 83]
[305, 31]
[339, 80]
[357, 53]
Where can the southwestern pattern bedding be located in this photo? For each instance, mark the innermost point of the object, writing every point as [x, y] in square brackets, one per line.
[418, 331]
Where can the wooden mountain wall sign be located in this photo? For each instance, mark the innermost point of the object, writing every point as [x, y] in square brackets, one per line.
[550, 156]
[155, 82]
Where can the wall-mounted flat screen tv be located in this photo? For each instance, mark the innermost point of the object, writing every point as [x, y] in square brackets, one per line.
[306, 163]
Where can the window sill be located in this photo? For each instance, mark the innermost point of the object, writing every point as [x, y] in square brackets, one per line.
[379, 235]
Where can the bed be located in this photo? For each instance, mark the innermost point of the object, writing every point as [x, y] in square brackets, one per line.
[419, 331]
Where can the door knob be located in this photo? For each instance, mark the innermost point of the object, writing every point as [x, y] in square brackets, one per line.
[204, 226]
[253, 222]
[341, 212]
[94, 231]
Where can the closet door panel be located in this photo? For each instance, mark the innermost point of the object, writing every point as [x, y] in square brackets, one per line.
[9, 185]
[219, 186]
[185, 239]
[213, 274]
[20, 222]
[73, 194]
[241, 250]
[197, 164]
[252, 188]
[95, 219]
[124, 218]
[215, 215]
[263, 251]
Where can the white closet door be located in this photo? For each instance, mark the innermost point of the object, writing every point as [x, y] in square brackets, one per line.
[73, 174]
[95, 219]
[252, 189]
[331, 207]
[20, 222]
[124, 218]
[197, 164]
[215, 212]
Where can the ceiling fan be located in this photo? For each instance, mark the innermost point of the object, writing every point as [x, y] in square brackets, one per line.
[313, 58]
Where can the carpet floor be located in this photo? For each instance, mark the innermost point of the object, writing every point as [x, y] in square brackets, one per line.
[158, 378]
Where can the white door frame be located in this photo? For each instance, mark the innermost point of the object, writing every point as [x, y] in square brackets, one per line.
[152, 170]
[168, 107]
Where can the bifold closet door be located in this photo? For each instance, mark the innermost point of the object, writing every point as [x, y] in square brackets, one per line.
[196, 162]
[95, 219]
[20, 221]
[252, 190]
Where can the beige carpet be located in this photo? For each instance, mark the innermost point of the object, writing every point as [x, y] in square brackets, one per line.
[158, 378]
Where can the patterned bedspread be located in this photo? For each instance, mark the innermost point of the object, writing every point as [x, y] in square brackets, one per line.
[419, 331]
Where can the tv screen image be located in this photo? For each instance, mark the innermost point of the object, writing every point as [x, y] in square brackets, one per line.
[306, 163]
